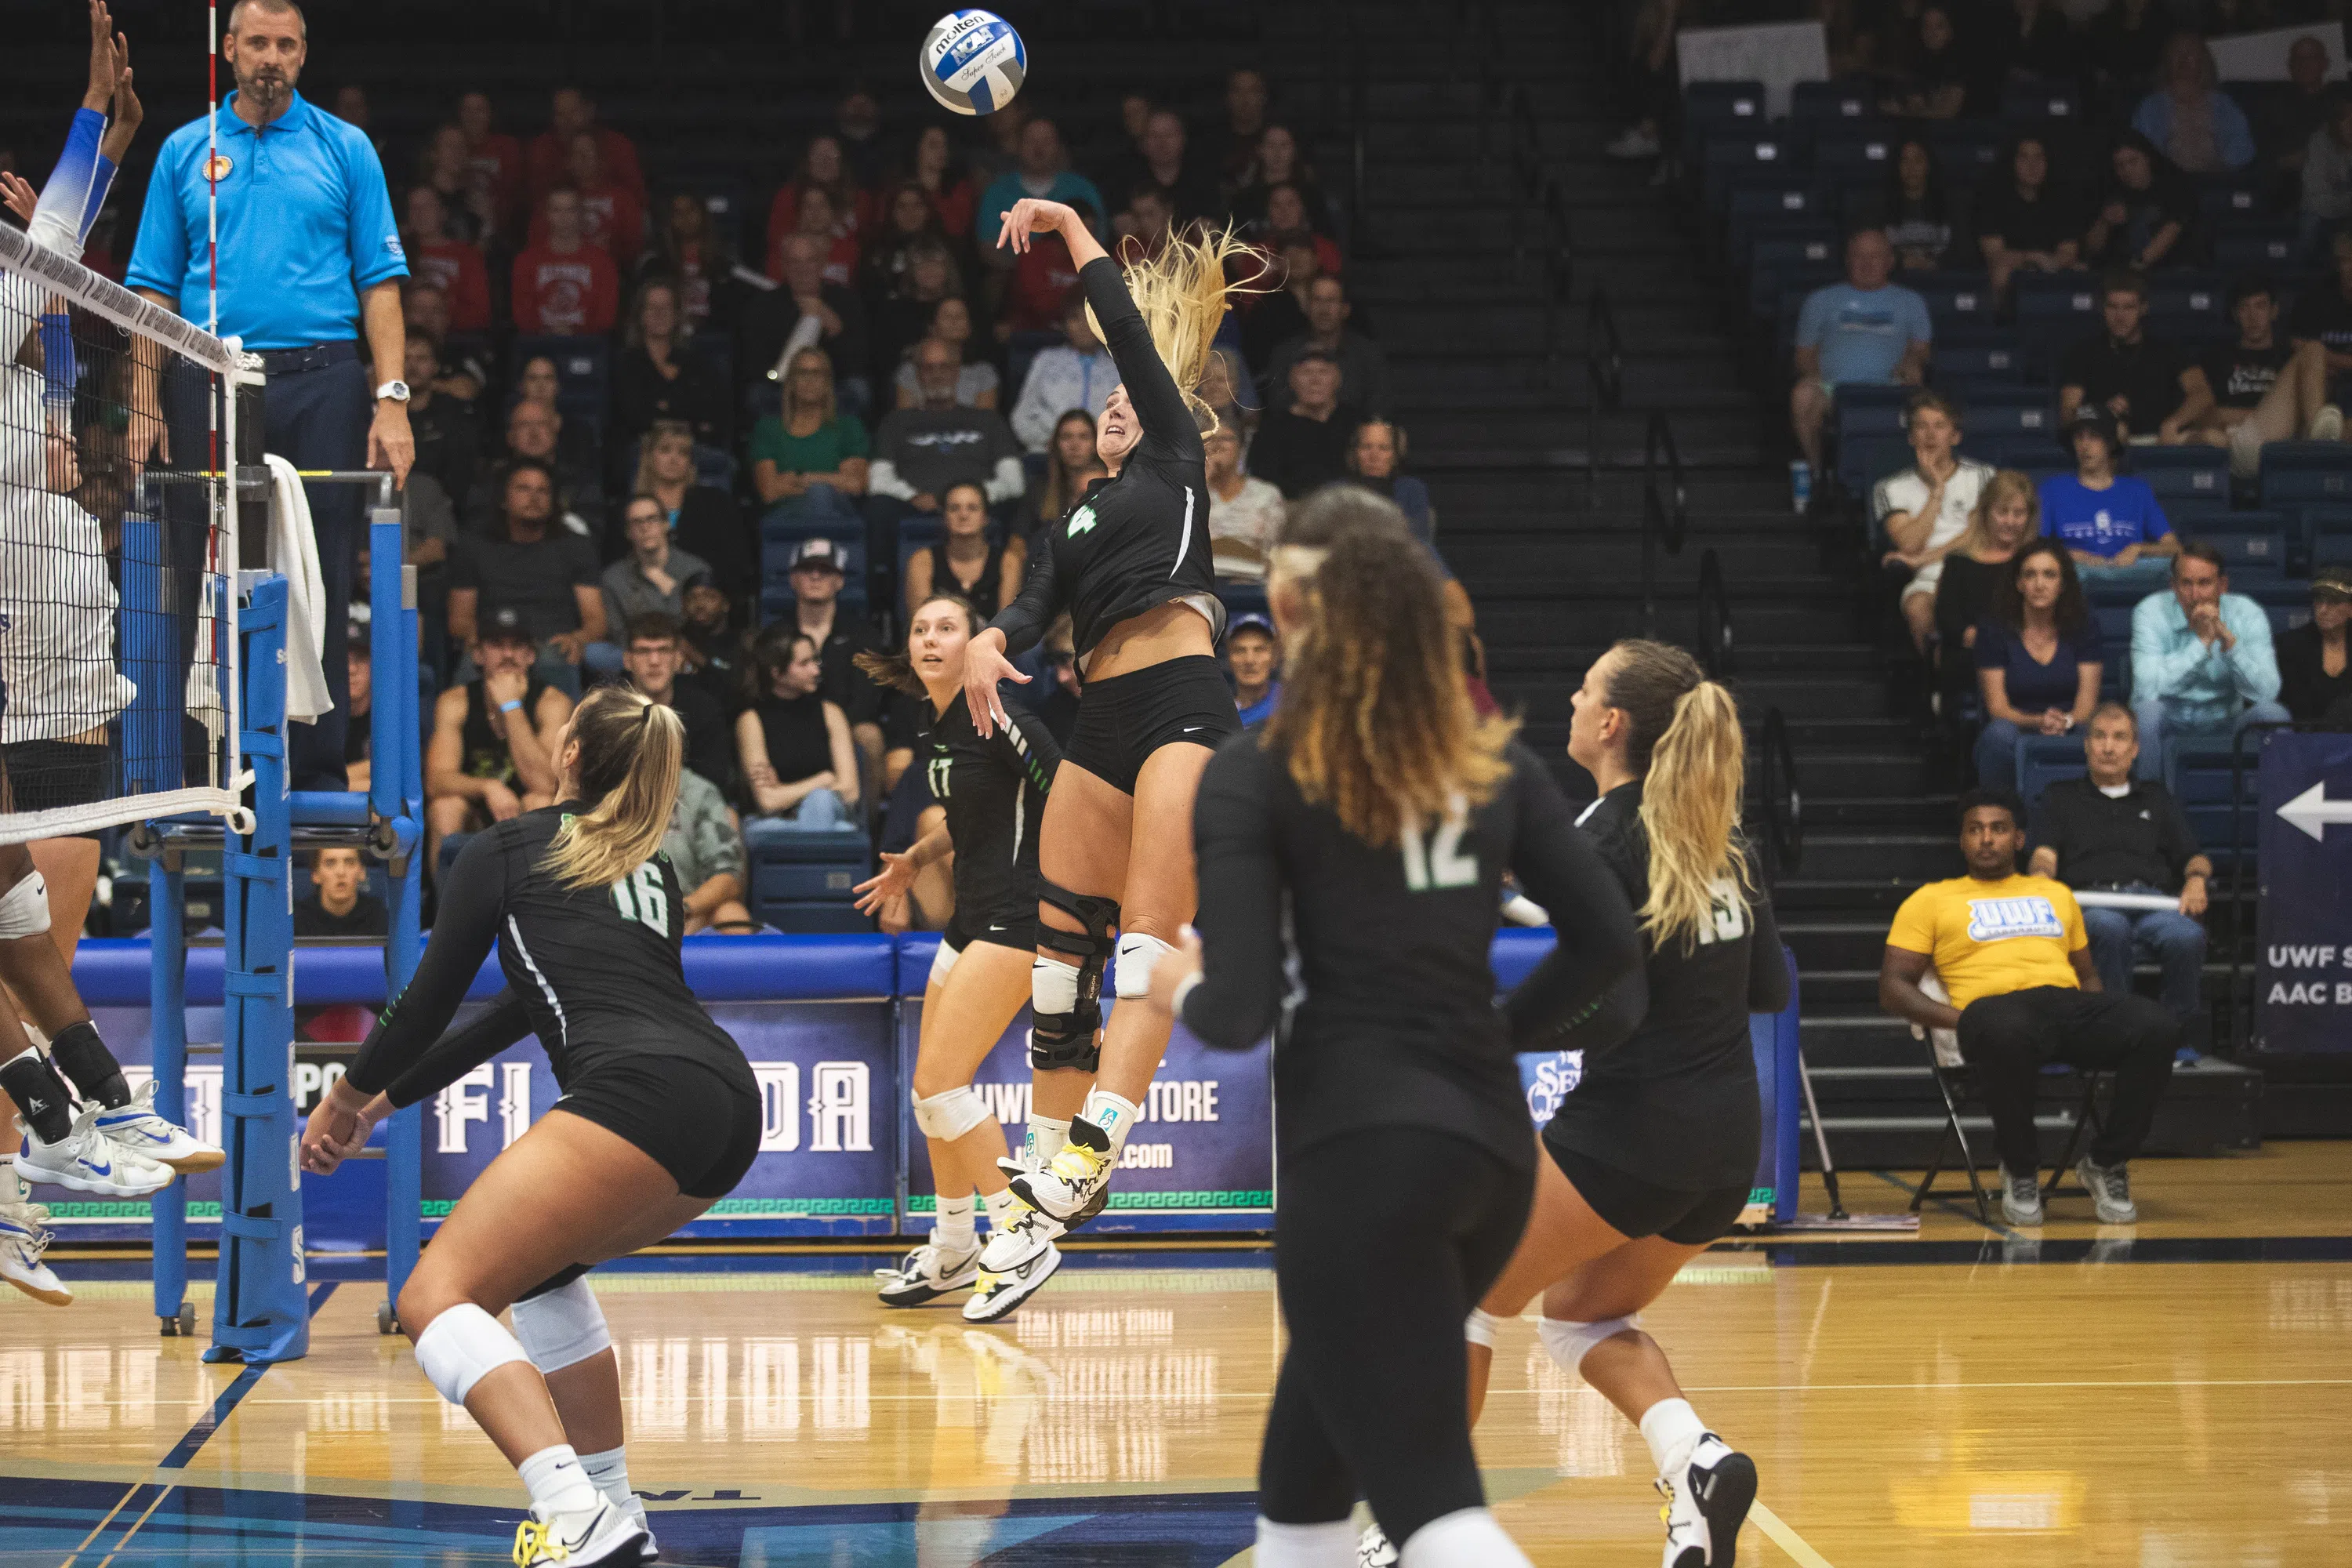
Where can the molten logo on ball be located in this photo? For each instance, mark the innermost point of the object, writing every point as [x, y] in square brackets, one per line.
[972, 62]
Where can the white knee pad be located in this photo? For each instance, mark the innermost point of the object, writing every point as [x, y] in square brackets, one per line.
[1053, 985]
[562, 1327]
[948, 1116]
[1136, 953]
[1480, 1326]
[460, 1346]
[943, 961]
[25, 907]
[1570, 1343]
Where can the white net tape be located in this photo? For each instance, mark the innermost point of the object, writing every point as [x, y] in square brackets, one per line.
[118, 665]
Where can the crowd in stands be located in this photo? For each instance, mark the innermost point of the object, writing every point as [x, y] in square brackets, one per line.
[2062, 320]
[719, 448]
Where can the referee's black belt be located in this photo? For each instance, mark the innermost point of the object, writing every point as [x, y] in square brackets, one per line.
[317, 356]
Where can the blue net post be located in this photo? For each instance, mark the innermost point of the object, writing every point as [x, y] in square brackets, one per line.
[259, 1312]
[1789, 1099]
[397, 800]
[167, 989]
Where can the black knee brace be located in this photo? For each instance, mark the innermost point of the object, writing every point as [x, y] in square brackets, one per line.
[1067, 1039]
[557, 1280]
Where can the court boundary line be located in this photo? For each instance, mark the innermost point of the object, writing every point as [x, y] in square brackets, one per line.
[1776, 1529]
[176, 1458]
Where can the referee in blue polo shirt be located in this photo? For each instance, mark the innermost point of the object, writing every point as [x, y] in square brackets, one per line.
[309, 259]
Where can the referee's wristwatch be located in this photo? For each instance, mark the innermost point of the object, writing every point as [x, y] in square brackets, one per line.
[393, 391]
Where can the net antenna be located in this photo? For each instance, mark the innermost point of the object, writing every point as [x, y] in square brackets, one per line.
[122, 703]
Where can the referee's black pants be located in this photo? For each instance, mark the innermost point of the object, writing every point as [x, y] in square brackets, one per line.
[1384, 1239]
[2008, 1040]
[317, 405]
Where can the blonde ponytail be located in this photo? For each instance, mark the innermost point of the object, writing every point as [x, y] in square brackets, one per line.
[1682, 737]
[631, 748]
[1180, 294]
[1690, 810]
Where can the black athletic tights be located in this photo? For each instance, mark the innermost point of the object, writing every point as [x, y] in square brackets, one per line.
[1384, 1240]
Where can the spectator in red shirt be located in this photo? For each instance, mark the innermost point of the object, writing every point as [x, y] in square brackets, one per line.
[822, 169]
[565, 286]
[570, 113]
[946, 184]
[451, 265]
[610, 213]
[496, 157]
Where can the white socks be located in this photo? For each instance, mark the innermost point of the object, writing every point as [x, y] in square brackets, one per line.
[952, 1222]
[14, 1188]
[557, 1482]
[1466, 1538]
[608, 1472]
[1332, 1545]
[1673, 1429]
[1004, 1208]
[1115, 1116]
[1046, 1137]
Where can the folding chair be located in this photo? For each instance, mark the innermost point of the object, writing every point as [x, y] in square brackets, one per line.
[1955, 1080]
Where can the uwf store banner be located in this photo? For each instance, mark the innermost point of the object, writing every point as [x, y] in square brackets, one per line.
[2302, 965]
[1201, 1157]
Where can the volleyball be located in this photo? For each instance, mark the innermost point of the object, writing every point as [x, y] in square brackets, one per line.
[972, 62]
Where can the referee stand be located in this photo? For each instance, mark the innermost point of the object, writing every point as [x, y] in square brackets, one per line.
[260, 1310]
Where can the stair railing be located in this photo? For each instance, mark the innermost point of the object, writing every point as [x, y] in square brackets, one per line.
[1714, 644]
[1784, 802]
[1665, 505]
[1604, 368]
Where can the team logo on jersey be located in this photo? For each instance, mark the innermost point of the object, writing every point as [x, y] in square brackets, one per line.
[217, 166]
[1997, 920]
[1081, 520]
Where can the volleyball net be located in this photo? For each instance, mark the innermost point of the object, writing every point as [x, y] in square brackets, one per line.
[118, 555]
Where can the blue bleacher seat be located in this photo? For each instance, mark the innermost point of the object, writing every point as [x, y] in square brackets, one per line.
[2060, 300]
[1856, 162]
[804, 881]
[2044, 760]
[1863, 461]
[1967, 149]
[2183, 473]
[2254, 248]
[1711, 106]
[1953, 302]
[1977, 363]
[2255, 541]
[1844, 100]
[2199, 773]
[2042, 99]
[2012, 411]
[1869, 411]
[2328, 534]
[2299, 473]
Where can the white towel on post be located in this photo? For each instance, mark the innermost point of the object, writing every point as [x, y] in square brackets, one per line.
[294, 555]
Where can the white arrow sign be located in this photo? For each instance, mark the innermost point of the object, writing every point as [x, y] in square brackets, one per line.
[2312, 811]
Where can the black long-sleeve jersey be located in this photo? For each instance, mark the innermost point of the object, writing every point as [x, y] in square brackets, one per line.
[993, 792]
[1142, 539]
[594, 972]
[1389, 1017]
[1676, 1102]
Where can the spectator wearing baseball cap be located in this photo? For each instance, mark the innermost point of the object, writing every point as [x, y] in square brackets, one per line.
[819, 569]
[2314, 675]
[497, 737]
[1253, 656]
[1304, 446]
[2107, 521]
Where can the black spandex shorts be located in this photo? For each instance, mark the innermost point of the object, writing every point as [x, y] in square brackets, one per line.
[1636, 1209]
[1004, 928]
[700, 1126]
[1124, 718]
[45, 774]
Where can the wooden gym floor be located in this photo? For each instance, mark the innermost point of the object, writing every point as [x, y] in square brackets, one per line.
[2176, 1394]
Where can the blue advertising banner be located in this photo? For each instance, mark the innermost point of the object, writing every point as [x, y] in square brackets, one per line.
[2303, 963]
[1551, 1077]
[1202, 1158]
